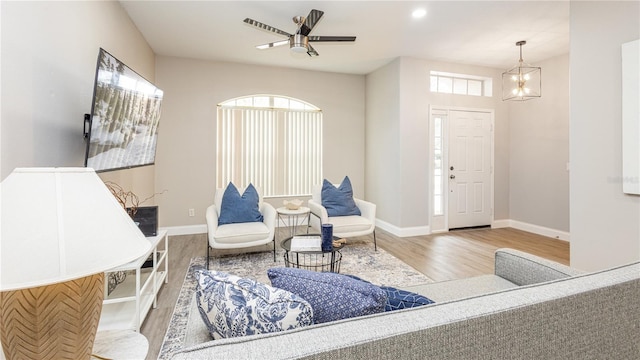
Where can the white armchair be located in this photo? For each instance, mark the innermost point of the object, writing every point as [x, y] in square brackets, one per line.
[345, 226]
[239, 235]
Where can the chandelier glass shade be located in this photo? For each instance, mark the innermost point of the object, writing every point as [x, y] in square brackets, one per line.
[523, 81]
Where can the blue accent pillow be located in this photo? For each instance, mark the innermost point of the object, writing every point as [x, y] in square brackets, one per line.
[403, 299]
[339, 200]
[398, 298]
[239, 209]
[232, 306]
[332, 296]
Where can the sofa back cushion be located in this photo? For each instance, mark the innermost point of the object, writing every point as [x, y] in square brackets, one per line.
[522, 268]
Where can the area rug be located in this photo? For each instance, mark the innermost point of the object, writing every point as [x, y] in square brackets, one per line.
[358, 258]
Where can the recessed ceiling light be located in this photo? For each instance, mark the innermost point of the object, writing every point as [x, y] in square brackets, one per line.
[418, 13]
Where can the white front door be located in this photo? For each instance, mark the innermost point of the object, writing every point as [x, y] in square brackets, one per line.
[469, 171]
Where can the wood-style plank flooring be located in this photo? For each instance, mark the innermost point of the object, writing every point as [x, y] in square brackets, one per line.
[453, 255]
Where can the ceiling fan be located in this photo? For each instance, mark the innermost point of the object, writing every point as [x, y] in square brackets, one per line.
[300, 40]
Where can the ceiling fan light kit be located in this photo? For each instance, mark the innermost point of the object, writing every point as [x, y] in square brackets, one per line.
[299, 41]
[523, 81]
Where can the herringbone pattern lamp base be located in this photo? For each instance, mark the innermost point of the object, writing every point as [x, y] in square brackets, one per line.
[57, 321]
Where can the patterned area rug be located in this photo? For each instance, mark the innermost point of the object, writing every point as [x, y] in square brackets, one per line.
[358, 258]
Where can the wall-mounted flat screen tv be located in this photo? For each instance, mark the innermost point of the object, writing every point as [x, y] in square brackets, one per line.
[123, 125]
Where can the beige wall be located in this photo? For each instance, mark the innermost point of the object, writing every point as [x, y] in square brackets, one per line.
[398, 179]
[413, 151]
[48, 46]
[49, 53]
[539, 151]
[382, 135]
[186, 161]
[605, 223]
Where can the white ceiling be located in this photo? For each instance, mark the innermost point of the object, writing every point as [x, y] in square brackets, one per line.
[469, 32]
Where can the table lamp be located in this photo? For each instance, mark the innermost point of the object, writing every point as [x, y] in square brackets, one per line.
[60, 230]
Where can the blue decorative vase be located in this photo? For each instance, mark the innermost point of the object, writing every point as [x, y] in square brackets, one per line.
[327, 237]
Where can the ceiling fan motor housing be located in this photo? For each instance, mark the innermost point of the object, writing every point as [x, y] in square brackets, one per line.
[299, 43]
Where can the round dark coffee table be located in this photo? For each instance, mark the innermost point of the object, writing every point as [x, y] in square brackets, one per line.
[323, 261]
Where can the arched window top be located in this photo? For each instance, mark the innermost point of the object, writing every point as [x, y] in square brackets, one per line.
[269, 102]
[273, 142]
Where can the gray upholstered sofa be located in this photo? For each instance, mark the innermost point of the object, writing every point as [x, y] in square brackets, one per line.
[531, 308]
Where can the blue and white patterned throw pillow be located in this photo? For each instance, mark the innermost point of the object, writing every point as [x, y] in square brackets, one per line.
[232, 306]
[332, 296]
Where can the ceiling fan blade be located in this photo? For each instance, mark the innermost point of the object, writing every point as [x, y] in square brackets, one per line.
[266, 27]
[311, 51]
[311, 21]
[272, 44]
[332, 38]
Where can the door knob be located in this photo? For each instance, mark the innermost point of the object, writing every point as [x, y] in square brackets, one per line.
[452, 176]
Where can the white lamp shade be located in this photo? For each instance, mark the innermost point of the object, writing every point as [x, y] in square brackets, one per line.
[60, 224]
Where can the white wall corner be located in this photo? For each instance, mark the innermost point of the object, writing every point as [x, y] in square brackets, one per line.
[536, 229]
[403, 232]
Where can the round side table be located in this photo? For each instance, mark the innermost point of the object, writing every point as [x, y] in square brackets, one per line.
[294, 218]
[120, 344]
[322, 261]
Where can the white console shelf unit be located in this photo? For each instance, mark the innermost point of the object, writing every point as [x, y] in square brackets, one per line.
[129, 303]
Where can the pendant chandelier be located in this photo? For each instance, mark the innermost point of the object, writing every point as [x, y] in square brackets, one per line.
[523, 81]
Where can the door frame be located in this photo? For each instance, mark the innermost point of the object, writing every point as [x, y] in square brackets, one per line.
[440, 223]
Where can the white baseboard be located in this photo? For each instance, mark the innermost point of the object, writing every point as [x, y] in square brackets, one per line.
[536, 229]
[202, 228]
[407, 231]
[496, 224]
[403, 232]
[186, 229]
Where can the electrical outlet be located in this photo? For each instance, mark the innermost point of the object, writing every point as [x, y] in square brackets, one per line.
[192, 212]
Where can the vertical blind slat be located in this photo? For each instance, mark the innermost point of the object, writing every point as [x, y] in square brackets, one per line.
[247, 150]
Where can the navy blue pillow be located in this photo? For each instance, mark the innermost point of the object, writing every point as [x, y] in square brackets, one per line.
[332, 296]
[403, 299]
[239, 209]
[398, 298]
[339, 201]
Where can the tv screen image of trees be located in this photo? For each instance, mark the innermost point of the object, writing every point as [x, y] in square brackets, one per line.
[125, 117]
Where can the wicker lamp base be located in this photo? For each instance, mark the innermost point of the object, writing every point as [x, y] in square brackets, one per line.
[56, 321]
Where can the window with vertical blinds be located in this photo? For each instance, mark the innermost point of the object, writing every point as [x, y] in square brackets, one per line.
[270, 141]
